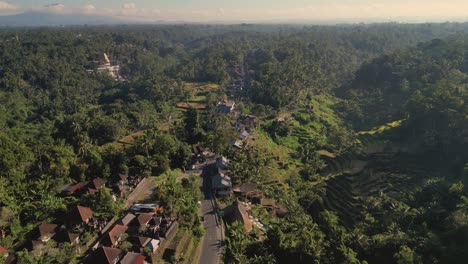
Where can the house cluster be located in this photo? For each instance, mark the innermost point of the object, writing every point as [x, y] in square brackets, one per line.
[120, 184]
[77, 221]
[139, 233]
[241, 209]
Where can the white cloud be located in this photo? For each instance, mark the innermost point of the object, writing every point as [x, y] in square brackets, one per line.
[221, 11]
[89, 7]
[56, 8]
[129, 6]
[7, 7]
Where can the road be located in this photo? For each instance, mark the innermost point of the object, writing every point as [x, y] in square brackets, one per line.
[142, 192]
[213, 239]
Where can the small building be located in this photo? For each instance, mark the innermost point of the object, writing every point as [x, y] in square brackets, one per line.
[198, 150]
[240, 214]
[153, 245]
[133, 258]
[225, 107]
[244, 135]
[98, 183]
[236, 143]
[266, 202]
[104, 255]
[80, 215]
[140, 223]
[46, 231]
[127, 219]
[75, 189]
[114, 236]
[139, 242]
[221, 184]
[119, 180]
[222, 163]
[3, 251]
[67, 237]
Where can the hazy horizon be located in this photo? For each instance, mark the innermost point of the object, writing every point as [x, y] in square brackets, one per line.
[340, 11]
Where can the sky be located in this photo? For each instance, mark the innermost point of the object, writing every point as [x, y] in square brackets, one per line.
[253, 10]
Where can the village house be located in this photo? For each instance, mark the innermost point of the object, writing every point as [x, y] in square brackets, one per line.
[46, 232]
[248, 191]
[114, 236]
[139, 242]
[225, 107]
[244, 135]
[141, 223]
[66, 237]
[98, 183]
[75, 189]
[222, 163]
[236, 143]
[4, 252]
[153, 244]
[133, 258]
[221, 184]
[104, 255]
[80, 215]
[127, 219]
[240, 214]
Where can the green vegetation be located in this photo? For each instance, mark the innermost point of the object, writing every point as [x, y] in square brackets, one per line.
[361, 134]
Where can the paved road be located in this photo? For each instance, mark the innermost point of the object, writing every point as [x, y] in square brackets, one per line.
[213, 239]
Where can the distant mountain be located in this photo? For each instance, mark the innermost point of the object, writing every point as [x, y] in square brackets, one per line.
[51, 19]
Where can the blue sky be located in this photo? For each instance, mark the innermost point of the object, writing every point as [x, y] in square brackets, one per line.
[254, 10]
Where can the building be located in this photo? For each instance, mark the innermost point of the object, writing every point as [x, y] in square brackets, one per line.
[153, 244]
[127, 219]
[80, 215]
[46, 232]
[98, 183]
[244, 135]
[104, 255]
[75, 189]
[222, 163]
[225, 107]
[114, 236]
[133, 258]
[3, 251]
[240, 214]
[237, 143]
[67, 237]
[106, 66]
[221, 184]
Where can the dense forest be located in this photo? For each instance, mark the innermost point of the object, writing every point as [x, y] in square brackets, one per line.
[362, 132]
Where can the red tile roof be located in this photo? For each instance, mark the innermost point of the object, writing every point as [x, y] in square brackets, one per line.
[46, 230]
[104, 255]
[76, 187]
[81, 212]
[3, 250]
[99, 183]
[116, 233]
[143, 219]
[133, 258]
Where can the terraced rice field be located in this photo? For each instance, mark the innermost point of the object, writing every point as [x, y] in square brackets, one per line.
[199, 91]
[354, 178]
